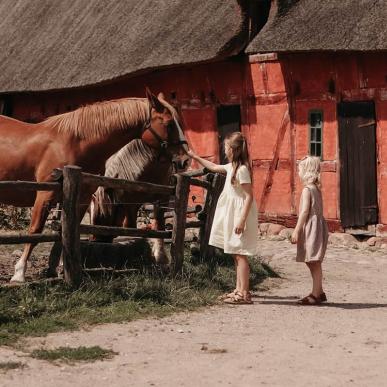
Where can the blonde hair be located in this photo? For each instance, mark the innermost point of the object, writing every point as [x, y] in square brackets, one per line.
[309, 170]
[240, 156]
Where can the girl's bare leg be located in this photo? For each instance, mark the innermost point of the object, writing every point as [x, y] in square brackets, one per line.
[238, 281]
[316, 272]
[243, 273]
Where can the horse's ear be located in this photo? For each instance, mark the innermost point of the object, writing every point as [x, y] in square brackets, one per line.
[154, 101]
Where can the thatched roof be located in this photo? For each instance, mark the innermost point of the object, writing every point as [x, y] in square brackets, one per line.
[324, 25]
[57, 44]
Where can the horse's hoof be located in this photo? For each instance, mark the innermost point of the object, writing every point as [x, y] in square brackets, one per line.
[17, 279]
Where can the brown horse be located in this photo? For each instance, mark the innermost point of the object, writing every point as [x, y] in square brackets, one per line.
[86, 137]
[136, 161]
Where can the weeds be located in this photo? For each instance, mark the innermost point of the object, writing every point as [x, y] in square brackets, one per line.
[72, 355]
[10, 365]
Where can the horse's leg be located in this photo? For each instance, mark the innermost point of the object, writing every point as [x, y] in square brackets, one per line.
[158, 248]
[39, 215]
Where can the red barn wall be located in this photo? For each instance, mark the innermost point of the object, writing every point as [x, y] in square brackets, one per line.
[302, 82]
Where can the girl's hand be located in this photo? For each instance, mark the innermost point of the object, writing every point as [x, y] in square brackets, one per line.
[240, 227]
[190, 153]
[294, 238]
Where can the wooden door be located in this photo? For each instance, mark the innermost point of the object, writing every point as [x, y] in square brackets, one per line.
[358, 179]
[229, 121]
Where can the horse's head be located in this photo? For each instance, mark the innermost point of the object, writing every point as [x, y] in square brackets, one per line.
[164, 132]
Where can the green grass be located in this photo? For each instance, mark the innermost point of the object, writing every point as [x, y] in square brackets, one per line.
[10, 365]
[72, 355]
[42, 308]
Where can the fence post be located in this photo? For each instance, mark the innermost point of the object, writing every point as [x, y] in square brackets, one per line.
[70, 225]
[179, 221]
[206, 251]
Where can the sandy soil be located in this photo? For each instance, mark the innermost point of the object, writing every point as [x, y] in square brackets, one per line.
[274, 342]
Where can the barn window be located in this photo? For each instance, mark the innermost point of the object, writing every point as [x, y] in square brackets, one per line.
[315, 132]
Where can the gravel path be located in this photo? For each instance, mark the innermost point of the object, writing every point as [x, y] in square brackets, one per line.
[273, 342]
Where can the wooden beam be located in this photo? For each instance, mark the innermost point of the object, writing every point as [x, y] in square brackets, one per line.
[30, 185]
[126, 185]
[121, 231]
[20, 238]
[270, 173]
[179, 222]
[72, 179]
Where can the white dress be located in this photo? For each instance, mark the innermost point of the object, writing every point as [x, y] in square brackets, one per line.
[227, 215]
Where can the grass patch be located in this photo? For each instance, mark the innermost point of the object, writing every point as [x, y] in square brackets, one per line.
[73, 355]
[41, 308]
[10, 365]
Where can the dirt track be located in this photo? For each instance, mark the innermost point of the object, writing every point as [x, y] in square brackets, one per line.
[274, 342]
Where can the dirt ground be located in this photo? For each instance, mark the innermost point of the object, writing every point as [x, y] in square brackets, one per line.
[274, 342]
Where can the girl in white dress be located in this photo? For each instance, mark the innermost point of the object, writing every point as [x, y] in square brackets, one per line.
[235, 223]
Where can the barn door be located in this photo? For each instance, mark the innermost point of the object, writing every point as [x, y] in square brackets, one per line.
[229, 120]
[357, 147]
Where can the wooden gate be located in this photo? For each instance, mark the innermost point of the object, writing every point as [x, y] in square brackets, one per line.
[358, 179]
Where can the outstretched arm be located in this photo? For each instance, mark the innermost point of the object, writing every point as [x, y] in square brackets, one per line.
[303, 214]
[206, 163]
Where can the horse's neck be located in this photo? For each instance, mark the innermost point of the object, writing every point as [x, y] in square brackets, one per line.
[93, 153]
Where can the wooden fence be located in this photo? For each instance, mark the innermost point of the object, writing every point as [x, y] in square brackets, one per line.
[70, 182]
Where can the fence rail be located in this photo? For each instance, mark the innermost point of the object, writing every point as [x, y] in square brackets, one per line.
[70, 182]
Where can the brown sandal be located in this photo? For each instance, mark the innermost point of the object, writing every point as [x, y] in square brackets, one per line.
[310, 300]
[238, 299]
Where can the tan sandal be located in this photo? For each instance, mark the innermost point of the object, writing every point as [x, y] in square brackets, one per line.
[227, 295]
[239, 299]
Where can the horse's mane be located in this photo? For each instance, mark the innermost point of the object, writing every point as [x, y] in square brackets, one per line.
[101, 118]
[130, 161]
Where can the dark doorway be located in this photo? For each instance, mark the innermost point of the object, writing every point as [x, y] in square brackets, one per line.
[229, 121]
[358, 180]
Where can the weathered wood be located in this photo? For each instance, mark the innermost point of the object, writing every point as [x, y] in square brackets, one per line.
[200, 183]
[20, 238]
[270, 173]
[209, 209]
[194, 173]
[194, 224]
[121, 231]
[30, 186]
[179, 221]
[72, 179]
[126, 185]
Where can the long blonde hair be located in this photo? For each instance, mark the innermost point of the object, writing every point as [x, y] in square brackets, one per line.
[240, 156]
[309, 170]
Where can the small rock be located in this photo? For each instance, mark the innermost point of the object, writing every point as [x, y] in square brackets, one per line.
[371, 241]
[274, 229]
[286, 232]
[263, 227]
[180, 331]
[17, 253]
[342, 239]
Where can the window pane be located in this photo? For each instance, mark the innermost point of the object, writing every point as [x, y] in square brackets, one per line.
[315, 119]
[313, 149]
[318, 150]
[318, 134]
[312, 134]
